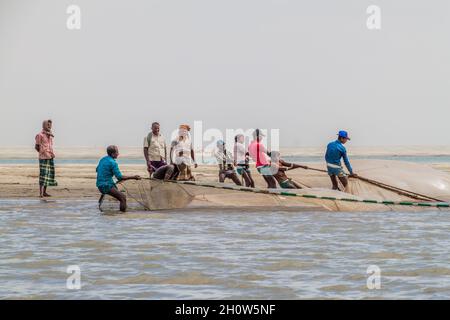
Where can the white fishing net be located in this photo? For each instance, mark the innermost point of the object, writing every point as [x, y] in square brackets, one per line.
[158, 195]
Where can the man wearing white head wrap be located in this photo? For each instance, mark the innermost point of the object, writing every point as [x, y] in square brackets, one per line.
[182, 154]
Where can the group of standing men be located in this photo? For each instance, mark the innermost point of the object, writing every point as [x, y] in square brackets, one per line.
[235, 165]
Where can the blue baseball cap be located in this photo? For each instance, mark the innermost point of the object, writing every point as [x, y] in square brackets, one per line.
[343, 134]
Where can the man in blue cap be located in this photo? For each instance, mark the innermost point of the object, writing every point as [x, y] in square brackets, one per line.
[335, 152]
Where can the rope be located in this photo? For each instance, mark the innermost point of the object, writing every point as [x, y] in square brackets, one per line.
[400, 191]
[304, 185]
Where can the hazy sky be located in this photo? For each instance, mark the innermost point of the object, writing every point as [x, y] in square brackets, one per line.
[308, 68]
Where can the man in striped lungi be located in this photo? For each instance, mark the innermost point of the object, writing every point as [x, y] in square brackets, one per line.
[44, 146]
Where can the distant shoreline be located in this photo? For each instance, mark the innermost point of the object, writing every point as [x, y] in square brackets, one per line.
[208, 160]
[80, 153]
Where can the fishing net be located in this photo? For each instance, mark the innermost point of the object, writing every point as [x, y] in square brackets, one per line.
[359, 196]
[158, 195]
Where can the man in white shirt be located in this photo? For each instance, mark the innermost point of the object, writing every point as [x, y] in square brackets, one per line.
[241, 160]
[155, 149]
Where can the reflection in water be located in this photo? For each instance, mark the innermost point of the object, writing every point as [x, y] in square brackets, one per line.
[219, 255]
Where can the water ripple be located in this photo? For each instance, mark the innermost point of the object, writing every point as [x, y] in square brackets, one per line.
[220, 254]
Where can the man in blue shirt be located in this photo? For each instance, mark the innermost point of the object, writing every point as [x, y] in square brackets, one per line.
[335, 152]
[106, 170]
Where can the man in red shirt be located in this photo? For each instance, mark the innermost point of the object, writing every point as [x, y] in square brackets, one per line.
[258, 153]
[44, 146]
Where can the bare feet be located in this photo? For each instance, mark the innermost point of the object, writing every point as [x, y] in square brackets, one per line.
[46, 195]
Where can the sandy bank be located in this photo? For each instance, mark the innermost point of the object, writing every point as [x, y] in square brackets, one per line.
[74, 181]
[78, 181]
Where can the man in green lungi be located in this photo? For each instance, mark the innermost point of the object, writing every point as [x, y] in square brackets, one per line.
[44, 146]
[281, 166]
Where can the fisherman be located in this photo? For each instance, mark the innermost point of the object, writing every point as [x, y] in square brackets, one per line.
[335, 152]
[182, 154]
[241, 160]
[258, 153]
[283, 180]
[106, 170]
[44, 146]
[155, 149]
[166, 173]
[225, 161]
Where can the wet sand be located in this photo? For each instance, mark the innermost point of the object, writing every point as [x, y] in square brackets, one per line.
[74, 181]
[77, 181]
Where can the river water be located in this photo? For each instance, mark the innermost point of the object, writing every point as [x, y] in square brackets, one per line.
[220, 255]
